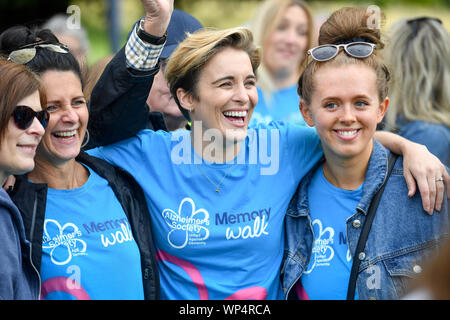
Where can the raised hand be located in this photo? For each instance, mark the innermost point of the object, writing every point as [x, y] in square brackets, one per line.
[157, 16]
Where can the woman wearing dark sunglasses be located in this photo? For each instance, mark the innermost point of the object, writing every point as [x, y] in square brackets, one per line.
[22, 124]
[87, 221]
[351, 243]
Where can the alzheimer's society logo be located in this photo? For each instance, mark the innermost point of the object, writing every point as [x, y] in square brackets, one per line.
[63, 241]
[323, 251]
[189, 225]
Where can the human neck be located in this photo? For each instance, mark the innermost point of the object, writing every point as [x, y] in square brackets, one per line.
[215, 151]
[68, 175]
[174, 123]
[348, 173]
[284, 78]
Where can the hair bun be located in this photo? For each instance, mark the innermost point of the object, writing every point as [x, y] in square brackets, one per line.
[348, 24]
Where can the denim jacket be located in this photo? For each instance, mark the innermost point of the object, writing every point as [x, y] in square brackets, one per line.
[403, 236]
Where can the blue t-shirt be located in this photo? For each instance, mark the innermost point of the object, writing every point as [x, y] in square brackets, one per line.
[226, 245]
[88, 251]
[283, 106]
[328, 272]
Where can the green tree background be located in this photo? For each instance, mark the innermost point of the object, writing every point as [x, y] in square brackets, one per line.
[212, 13]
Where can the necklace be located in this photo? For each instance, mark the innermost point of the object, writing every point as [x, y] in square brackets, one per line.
[216, 185]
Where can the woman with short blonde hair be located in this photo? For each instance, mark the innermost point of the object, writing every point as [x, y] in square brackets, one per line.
[186, 63]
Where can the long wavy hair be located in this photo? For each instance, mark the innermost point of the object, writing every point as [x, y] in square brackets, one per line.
[419, 58]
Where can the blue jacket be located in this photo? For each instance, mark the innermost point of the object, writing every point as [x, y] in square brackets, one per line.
[402, 237]
[19, 279]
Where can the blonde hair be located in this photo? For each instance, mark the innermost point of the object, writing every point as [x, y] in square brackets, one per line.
[264, 22]
[420, 61]
[93, 75]
[347, 25]
[191, 55]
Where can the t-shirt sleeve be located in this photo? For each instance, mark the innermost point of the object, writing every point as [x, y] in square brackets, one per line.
[131, 154]
[300, 146]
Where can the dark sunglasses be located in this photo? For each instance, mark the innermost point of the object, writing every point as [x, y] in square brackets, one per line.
[26, 53]
[329, 51]
[24, 116]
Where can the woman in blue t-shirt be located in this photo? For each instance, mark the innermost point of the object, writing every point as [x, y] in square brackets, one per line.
[22, 124]
[284, 30]
[218, 193]
[344, 96]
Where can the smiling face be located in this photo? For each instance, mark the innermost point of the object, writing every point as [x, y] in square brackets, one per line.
[285, 47]
[18, 147]
[226, 94]
[345, 109]
[68, 117]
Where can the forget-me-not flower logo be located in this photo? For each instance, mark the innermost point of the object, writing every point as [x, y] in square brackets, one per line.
[63, 241]
[188, 224]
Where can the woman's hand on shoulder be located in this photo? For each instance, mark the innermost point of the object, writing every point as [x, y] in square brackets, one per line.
[422, 167]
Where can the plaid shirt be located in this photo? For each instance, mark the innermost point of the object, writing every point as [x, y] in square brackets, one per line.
[141, 55]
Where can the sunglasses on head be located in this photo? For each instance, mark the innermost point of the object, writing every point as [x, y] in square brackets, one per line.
[26, 53]
[23, 117]
[329, 51]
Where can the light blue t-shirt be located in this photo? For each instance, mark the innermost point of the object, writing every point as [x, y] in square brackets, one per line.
[226, 245]
[88, 250]
[328, 272]
[283, 106]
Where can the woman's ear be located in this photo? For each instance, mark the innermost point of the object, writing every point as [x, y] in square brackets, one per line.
[185, 98]
[382, 109]
[306, 113]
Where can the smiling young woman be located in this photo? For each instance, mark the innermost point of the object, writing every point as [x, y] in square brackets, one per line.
[344, 95]
[284, 31]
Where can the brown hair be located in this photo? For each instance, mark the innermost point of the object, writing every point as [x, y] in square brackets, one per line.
[436, 276]
[187, 61]
[16, 83]
[343, 26]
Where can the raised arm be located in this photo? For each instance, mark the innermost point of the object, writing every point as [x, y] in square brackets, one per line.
[421, 167]
[118, 102]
